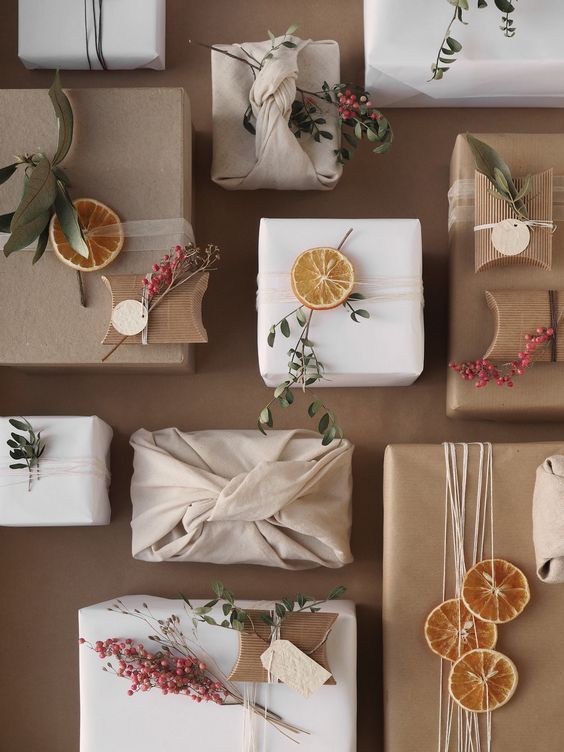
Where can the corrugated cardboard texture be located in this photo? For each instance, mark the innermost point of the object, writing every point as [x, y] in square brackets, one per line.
[46, 575]
[132, 151]
[539, 395]
[414, 502]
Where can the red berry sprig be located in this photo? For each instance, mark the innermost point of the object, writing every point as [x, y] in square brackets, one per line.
[482, 371]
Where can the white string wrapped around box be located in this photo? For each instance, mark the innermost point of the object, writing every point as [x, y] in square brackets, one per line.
[463, 190]
[471, 736]
[140, 234]
[54, 467]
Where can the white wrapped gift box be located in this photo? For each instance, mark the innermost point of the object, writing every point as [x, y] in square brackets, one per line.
[491, 70]
[74, 475]
[149, 721]
[385, 350]
[58, 33]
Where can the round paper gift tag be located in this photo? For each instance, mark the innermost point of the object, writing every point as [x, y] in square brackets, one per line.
[129, 317]
[510, 237]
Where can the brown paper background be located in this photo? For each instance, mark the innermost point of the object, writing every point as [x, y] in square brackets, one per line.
[47, 574]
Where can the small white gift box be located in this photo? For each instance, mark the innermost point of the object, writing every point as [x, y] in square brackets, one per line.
[149, 721]
[70, 486]
[82, 34]
[384, 350]
[491, 70]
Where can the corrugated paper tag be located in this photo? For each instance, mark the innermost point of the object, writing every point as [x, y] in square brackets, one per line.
[293, 667]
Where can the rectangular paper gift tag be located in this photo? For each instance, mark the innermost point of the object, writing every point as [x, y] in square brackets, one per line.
[287, 663]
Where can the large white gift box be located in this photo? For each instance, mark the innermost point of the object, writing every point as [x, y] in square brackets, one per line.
[149, 721]
[71, 485]
[384, 350]
[82, 34]
[401, 42]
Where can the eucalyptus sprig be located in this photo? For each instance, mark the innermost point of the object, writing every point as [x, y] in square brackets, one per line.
[491, 164]
[305, 369]
[236, 617]
[28, 448]
[45, 190]
[450, 46]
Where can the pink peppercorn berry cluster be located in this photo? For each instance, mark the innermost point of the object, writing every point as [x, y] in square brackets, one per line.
[482, 371]
[355, 106]
[172, 675]
[162, 274]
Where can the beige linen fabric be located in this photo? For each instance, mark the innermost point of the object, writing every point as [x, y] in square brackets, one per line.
[237, 497]
[274, 157]
[548, 519]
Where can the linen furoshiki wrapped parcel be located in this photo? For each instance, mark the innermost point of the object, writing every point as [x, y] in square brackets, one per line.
[432, 494]
[150, 720]
[272, 157]
[68, 477]
[490, 70]
[501, 300]
[231, 497]
[121, 34]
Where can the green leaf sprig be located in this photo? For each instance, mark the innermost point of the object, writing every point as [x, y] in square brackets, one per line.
[26, 449]
[491, 164]
[236, 617]
[45, 190]
[450, 46]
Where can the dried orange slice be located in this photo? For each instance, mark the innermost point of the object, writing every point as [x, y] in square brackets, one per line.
[322, 278]
[451, 630]
[103, 248]
[482, 680]
[495, 590]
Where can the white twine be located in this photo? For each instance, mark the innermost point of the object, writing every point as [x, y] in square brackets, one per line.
[53, 467]
[529, 222]
[374, 289]
[468, 728]
[141, 234]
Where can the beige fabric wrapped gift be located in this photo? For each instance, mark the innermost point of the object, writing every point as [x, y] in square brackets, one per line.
[274, 157]
[548, 519]
[229, 497]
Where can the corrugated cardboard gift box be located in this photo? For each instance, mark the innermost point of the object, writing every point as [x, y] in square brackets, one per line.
[539, 394]
[132, 151]
[414, 530]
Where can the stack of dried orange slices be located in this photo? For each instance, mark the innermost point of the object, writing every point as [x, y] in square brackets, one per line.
[463, 631]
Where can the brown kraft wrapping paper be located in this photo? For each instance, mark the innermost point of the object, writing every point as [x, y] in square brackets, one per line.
[539, 394]
[414, 510]
[132, 151]
[306, 631]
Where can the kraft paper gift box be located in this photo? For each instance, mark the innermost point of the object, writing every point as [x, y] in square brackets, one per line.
[539, 394]
[273, 158]
[414, 501]
[490, 70]
[112, 721]
[79, 34]
[132, 151]
[385, 350]
[71, 486]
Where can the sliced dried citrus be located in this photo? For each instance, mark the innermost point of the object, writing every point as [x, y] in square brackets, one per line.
[482, 680]
[495, 590]
[322, 278]
[103, 248]
[451, 630]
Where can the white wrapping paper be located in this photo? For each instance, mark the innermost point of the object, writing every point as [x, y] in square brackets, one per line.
[384, 350]
[113, 722]
[53, 34]
[74, 475]
[402, 41]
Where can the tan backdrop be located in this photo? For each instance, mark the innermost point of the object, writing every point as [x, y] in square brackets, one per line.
[47, 574]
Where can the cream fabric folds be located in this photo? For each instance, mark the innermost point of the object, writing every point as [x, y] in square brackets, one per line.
[274, 157]
[229, 497]
[548, 519]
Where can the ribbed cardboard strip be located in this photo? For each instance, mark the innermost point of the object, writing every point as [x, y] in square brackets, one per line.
[517, 313]
[305, 630]
[490, 210]
[178, 319]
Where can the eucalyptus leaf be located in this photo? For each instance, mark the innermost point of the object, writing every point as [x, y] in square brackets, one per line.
[63, 112]
[70, 224]
[292, 29]
[7, 172]
[323, 423]
[314, 408]
[39, 194]
[41, 244]
[285, 327]
[26, 234]
[5, 221]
